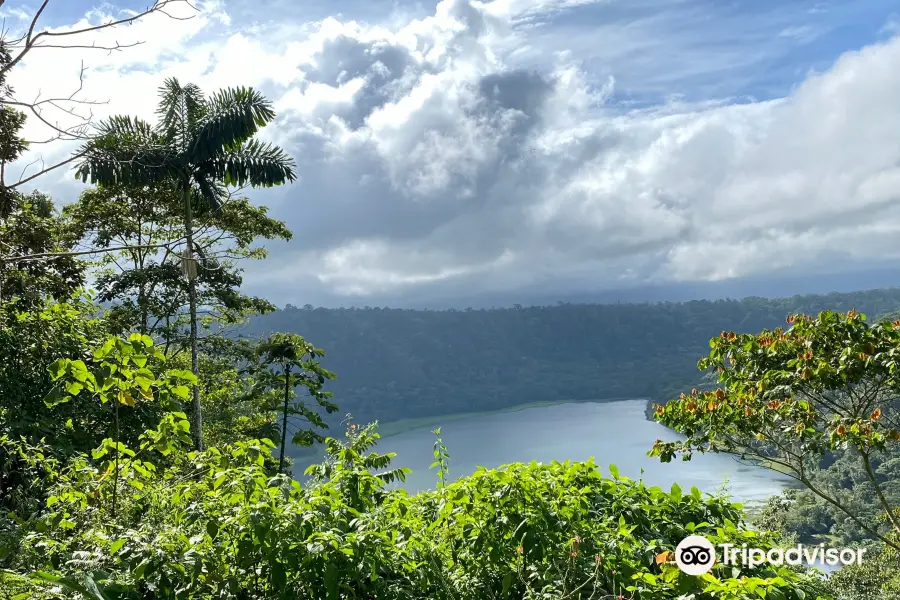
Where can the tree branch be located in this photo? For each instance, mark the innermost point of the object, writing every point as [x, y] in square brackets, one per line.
[867, 464]
[30, 39]
[52, 255]
[43, 171]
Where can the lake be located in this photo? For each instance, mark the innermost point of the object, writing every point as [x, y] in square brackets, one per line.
[610, 432]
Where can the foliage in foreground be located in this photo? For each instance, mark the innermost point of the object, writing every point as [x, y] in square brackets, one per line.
[218, 524]
[800, 513]
[202, 145]
[877, 578]
[792, 398]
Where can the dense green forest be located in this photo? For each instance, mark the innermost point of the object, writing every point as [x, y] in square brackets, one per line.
[396, 364]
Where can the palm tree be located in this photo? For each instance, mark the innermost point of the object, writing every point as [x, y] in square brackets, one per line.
[285, 361]
[203, 145]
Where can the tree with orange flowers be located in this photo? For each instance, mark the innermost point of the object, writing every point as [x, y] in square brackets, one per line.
[790, 397]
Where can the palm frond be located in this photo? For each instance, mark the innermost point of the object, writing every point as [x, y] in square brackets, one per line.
[255, 163]
[208, 194]
[126, 151]
[126, 128]
[180, 112]
[233, 116]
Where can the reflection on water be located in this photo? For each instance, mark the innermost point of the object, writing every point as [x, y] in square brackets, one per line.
[614, 432]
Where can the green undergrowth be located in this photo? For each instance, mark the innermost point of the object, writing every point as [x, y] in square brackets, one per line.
[219, 525]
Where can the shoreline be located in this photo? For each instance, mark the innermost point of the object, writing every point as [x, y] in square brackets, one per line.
[388, 429]
[392, 428]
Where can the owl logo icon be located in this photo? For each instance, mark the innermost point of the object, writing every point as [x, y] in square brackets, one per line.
[695, 555]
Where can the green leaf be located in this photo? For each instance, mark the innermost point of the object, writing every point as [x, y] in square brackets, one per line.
[676, 492]
[55, 397]
[331, 581]
[88, 588]
[508, 581]
[58, 368]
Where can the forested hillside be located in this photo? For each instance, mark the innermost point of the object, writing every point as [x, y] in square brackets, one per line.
[396, 364]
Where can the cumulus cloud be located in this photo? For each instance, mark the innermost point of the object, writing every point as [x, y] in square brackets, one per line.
[469, 149]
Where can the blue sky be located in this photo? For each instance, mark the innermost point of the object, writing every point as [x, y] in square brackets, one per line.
[474, 148]
[696, 49]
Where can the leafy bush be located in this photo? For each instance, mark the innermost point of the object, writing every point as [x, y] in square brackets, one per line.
[877, 578]
[218, 525]
[18, 587]
[791, 399]
[31, 338]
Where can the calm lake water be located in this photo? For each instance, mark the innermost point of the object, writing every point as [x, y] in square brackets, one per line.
[609, 432]
[612, 432]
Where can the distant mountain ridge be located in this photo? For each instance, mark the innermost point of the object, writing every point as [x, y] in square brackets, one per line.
[395, 364]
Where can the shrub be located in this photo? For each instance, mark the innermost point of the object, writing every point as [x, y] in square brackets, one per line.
[218, 525]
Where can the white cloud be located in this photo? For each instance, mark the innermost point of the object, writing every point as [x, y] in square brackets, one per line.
[435, 152]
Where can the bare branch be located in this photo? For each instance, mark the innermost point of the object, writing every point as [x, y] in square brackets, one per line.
[73, 132]
[94, 46]
[34, 39]
[52, 255]
[39, 159]
[43, 171]
[30, 40]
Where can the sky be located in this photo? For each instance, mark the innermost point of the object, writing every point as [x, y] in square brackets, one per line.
[458, 150]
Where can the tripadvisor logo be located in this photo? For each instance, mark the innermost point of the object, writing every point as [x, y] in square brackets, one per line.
[696, 555]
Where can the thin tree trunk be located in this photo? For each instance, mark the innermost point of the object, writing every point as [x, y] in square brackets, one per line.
[197, 415]
[116, 475]
[888, 509]
[284, 416]
[142, 295]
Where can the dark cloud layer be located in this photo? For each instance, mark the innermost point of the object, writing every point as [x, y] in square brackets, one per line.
[484, 148]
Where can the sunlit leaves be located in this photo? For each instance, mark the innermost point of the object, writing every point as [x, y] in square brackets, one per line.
[118, 373]
[790, 396]
[218, 522]
[819, 384]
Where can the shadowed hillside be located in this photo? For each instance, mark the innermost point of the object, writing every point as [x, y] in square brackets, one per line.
[397, 364]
